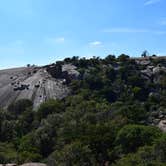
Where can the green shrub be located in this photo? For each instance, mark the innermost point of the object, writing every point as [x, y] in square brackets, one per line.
[131, 137]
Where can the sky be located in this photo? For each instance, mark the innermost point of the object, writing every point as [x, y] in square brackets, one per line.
[43, 31]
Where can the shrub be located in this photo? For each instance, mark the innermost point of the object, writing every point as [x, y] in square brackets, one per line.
[131, 137]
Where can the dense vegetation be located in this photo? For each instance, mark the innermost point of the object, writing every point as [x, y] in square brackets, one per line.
[107, 120]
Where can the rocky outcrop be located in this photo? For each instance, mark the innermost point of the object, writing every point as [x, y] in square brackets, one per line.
[152, 73]
[143, 61]
[162, 125]
[158, 118]
[27, 164]
[36, 83]
[71, 71]
[38, 86]
[33, 164]
[63, 71]
[55, 70]
[8, 164]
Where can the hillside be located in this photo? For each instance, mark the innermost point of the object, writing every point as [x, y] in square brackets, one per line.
[34, 83]
[101, 112]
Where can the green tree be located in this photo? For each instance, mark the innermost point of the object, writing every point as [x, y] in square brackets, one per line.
[27, 151]
[49, 107]
[131, 137]
[20, 106]
[145, 54]
[72, 155]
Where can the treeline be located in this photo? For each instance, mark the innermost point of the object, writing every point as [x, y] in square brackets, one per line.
[109, 119]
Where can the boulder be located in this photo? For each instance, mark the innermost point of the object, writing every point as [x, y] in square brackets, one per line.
[147, 72]
[161, 116]
[154, 95]
[162, 125]
[71, 71]
[55, 71]
[159, 69]
[156, 121]
[143, 62]
[156, 70]
[33, 164]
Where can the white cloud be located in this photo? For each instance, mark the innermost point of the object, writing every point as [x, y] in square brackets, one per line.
[151, 2]
[95, 43]
[134, 30]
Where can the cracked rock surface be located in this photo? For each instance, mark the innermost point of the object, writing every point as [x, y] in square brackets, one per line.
[33, 83]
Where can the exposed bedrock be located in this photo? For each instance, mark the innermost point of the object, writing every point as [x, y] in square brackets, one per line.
[35, 83]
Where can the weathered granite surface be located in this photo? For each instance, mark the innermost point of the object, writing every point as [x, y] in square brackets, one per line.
[33, 83]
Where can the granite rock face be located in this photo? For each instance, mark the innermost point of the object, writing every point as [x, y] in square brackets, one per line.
[34, 83]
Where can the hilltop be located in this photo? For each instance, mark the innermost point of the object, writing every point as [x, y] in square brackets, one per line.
[40, 84]
[78, 111]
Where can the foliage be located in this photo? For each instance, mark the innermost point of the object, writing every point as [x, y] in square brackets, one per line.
[131, 137]
[19, 106]
[7, 153]
[107, 119]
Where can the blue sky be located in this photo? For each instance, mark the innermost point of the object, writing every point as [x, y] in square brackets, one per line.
[43, 31]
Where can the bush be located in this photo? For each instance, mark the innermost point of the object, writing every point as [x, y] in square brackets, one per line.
[28, 152]
[49, 107]
[131, 137]
[7, 153]
[20, 106]
[135, 113]
[73, 154]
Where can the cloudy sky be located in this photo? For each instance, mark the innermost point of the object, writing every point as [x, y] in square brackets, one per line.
[43, 31]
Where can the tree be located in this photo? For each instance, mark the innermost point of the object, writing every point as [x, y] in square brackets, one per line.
[134, 113]
[7, 130]
[20, 106]
[143, 157]
[110, 73]
[24, 123]
[49, 107]
[131, 137]
[110, 59]
[160, 148]
[75, 153]
[123, 58]
[7, 153]
[145, 54]
[27, 151]
[44, 138]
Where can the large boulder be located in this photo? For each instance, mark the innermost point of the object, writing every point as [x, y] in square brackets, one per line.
[159, 69]
[147, 72]
[162, 125]
[66, 71]
[143, 61]
[55, 70]
[33, 164]
[71, 71]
